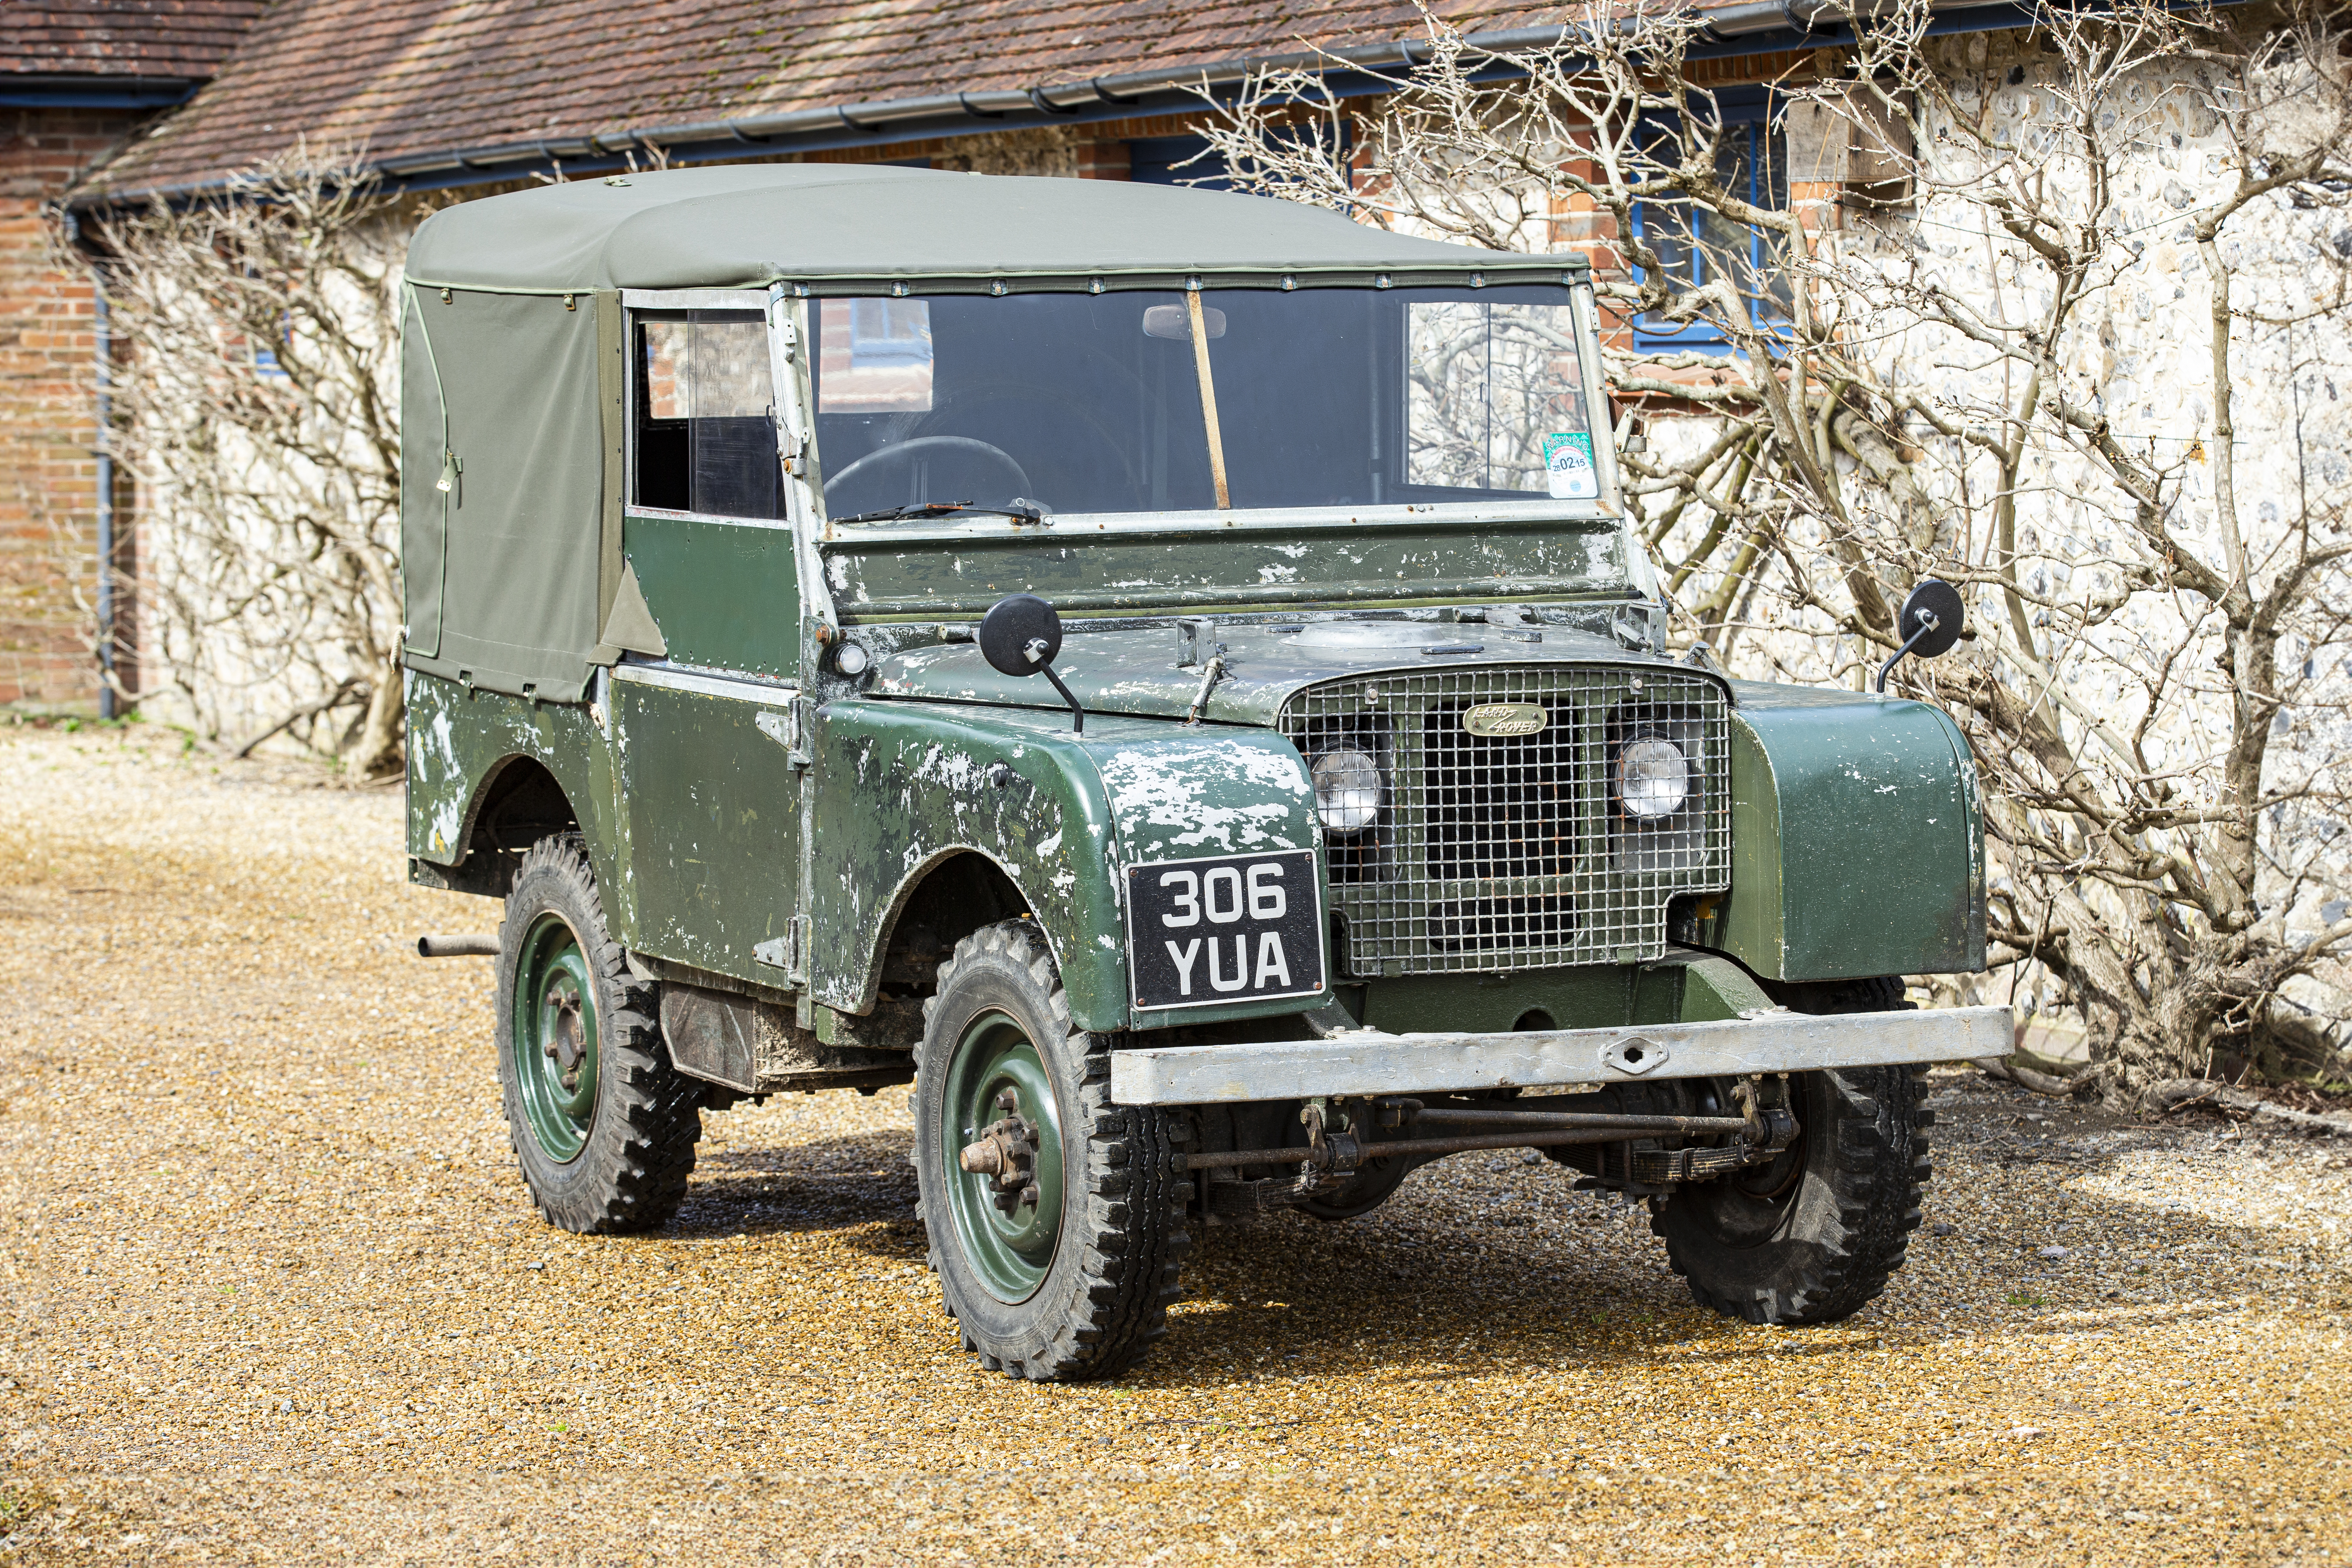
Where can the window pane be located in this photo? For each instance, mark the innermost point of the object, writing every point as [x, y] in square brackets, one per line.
[878, 356]
[705, 437]
[1498, 400]
[669, 354]
[1086, 403]
[730, 370]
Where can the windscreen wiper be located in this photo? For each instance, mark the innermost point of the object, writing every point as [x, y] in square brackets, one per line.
[1027, 510]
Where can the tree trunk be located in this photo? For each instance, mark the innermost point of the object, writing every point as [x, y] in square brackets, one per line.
[376, 752]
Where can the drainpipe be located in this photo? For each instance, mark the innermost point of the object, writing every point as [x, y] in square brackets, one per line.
[106, 699]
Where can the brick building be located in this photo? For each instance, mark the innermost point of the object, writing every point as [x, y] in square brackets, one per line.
[77, 81]
[486, 95]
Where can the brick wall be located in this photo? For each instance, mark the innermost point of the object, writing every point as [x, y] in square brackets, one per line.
[49, 466]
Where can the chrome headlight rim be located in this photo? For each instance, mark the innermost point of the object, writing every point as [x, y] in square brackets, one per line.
[1349, 791]
[1653, 777]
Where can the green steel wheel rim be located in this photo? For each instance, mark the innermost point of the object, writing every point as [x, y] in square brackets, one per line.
[555, 1037]
[1009, 1253]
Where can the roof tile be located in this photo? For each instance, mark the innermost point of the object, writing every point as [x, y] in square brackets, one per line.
[167, 38]
[409, 77]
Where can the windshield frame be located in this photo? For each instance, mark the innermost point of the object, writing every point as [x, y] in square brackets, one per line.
[788, 310]
[1583, 314]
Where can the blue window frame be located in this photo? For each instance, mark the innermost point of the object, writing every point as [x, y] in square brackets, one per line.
[1752, 161]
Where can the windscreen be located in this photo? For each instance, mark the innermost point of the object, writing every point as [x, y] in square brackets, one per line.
[1152, 401]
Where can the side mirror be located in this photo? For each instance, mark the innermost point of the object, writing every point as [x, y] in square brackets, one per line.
[1020, 635]
[1929, 624]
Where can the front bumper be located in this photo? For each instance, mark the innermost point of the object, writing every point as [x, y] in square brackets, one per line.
[1366, 1061]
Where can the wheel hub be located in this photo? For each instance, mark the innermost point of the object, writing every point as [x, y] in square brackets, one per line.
[1006, 1150]
[567, 1042]
[554, 1034]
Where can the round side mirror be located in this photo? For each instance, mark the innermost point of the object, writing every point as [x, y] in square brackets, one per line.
[1021, 635]
[1935, 601]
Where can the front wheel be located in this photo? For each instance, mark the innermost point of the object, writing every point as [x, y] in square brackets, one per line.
[1055, 1217]
[1812, 1237]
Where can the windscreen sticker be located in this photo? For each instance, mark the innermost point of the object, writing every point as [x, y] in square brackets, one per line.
[1568, 464]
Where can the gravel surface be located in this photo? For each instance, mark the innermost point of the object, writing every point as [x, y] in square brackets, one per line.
[273, 1292]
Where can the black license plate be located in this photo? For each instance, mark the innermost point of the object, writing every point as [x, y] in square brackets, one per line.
[1228, 928]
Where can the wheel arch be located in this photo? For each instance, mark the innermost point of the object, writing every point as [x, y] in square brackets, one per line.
[950, 893]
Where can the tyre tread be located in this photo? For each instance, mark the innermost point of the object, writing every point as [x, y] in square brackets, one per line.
[1131, 1232]
[645, 1179]
[1879, 1167]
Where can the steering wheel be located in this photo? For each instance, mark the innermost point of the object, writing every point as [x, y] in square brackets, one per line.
[902, 450]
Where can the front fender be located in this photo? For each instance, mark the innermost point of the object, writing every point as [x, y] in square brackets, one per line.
[902, 784]
[1858, 837]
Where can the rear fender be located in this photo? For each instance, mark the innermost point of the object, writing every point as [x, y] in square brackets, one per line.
[461, 740]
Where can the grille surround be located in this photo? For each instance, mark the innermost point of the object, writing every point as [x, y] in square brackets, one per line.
[1498, 853]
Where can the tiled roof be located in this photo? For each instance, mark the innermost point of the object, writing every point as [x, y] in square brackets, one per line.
[183, 39]
[407, 79]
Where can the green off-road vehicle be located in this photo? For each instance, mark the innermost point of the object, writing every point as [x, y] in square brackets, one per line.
[1358, 818]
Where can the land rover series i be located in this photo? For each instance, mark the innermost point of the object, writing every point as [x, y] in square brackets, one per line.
[1359, 817]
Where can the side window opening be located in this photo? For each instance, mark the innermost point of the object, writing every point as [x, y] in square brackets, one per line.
[703, 430]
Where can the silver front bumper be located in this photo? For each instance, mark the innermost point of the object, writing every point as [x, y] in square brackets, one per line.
[1366, 1061]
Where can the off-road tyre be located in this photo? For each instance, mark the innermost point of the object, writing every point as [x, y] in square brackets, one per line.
[1828, 1242]
[1102, 1300]
[636, 1147]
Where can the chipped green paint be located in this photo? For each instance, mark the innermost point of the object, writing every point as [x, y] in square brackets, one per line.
[460, 740]
[714, 819]
[1858, 837]
[903, 787]
[1322, 557]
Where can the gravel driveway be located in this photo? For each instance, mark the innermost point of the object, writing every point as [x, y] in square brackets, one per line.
[273, 1292]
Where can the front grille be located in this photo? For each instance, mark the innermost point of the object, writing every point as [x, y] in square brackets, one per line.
[1504, 851]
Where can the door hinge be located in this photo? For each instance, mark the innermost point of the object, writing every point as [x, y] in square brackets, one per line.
[789, 730]
[789, 951]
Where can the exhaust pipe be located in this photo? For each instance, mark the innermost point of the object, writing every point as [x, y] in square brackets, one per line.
[473, 944]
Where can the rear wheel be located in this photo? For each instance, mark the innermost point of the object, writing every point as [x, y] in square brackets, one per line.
[1055, 1217]
[1812, 1237]
[604, 1127]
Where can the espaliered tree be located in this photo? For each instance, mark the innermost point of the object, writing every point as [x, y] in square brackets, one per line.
[2056, 316]
[255, 401]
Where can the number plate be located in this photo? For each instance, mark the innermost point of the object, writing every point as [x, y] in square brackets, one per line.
[1228, 928]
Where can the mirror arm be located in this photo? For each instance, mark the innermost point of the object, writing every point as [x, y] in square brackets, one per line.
[1928, 625]
[1077, 713]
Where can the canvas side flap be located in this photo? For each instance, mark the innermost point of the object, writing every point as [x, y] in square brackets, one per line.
[519, 593]
[612, 400]
[423, 505]
[630, 623]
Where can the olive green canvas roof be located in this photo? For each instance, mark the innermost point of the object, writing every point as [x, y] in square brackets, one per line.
[746, 226]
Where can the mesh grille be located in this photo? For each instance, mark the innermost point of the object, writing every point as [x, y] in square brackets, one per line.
[1506, 852]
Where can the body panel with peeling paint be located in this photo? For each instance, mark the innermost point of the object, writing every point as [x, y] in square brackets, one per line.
[1857, 838]
[901, 786]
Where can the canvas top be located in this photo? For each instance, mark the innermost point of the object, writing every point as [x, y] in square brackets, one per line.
[746, 226]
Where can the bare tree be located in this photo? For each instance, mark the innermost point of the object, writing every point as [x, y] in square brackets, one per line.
[256, 403]
[2008, 339]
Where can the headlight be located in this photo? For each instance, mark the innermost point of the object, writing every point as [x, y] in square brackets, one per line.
[1346, 791]
[1653, 777]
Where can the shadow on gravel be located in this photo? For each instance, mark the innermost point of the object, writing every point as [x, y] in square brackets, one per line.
[1436, 1287]
[842, 1183]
